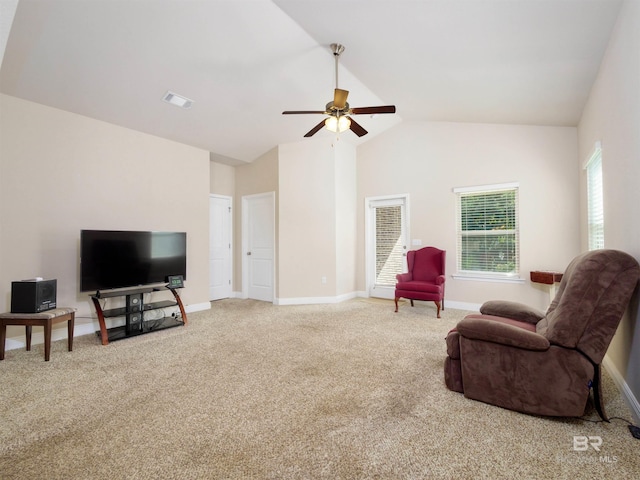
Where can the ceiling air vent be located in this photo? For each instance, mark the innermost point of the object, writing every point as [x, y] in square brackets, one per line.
[177, 100]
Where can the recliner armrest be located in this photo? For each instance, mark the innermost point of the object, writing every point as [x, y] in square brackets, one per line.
[501, 333]
[513, 310]
[440, 279]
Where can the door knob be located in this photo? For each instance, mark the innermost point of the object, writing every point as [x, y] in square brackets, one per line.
[248, 253]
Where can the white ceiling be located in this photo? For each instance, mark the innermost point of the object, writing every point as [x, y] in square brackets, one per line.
[245, 61]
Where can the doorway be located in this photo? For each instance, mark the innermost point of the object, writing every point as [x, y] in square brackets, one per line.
[387, 234]
[220, 250]
[258, 246]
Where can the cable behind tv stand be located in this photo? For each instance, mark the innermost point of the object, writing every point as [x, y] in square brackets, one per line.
[134, 310]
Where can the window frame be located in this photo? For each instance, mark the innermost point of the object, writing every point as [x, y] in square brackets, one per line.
[595, 199]
[486, 275]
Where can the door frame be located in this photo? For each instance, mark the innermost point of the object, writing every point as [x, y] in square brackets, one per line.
[231, 249]
[245, 242]
[369, 255]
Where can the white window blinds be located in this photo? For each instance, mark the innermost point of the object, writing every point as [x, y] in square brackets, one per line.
[389, 245]
[487, 230]
[595, 203]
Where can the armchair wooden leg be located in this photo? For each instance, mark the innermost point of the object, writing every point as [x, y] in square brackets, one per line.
[411, 302]
[396, 304]
[438, 307]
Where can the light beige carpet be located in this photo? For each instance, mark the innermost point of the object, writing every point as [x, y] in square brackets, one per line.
[252, 390]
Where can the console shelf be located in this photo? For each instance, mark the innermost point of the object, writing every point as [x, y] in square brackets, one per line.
[134, 313]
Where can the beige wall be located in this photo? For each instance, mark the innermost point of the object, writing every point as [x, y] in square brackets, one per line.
[222, 179]
[307, 228]
[612, 116]
[315, 185]
[346, 218]
[427, 160]
[62, 172]
[260, 176]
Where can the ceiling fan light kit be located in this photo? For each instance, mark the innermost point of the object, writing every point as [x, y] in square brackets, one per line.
[337, 124]
[338, 110]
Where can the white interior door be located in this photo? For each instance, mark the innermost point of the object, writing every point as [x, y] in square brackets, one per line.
[387, 240]
[220, 265]
[258, 246]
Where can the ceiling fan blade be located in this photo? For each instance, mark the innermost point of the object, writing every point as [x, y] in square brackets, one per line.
[372, 110]
[297, 112]
[357, 128]
[340, 98]
[315, 129]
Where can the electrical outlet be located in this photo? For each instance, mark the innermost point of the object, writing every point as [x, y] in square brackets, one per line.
[635, 431]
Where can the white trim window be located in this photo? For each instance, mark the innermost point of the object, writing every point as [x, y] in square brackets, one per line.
[595, 201]
[488, 232]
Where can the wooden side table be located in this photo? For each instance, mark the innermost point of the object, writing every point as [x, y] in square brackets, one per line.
[547, 278]
[43, 319]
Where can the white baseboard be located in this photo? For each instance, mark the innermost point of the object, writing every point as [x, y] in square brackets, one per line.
[622, 385]
[314, 300]
[472, 307]
[197, 307]
[59, 333]
[14, 344]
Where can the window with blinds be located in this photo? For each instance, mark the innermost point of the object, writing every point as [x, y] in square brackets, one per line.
[595, 204]
[389, 247]
[487, 231]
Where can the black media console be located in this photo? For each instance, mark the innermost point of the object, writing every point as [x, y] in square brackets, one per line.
[140, 317]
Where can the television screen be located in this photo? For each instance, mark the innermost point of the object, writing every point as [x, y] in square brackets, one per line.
[117, 259]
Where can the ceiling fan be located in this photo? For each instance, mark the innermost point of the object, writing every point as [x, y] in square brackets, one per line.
[339, 110]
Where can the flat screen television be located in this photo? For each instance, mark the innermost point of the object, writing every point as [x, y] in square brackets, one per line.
[117, 259]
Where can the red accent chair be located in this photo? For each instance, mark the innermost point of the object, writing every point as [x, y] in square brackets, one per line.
[425, 278]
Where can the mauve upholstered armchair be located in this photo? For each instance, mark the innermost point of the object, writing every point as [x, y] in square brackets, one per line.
[519, 358]
[425, 277]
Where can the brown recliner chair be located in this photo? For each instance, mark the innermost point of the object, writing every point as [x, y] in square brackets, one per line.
[519, 358]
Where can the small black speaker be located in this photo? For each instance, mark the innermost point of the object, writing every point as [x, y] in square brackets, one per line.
[33, 296]
[134, 302]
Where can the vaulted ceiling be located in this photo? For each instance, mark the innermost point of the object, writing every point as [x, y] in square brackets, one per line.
[243, 62]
